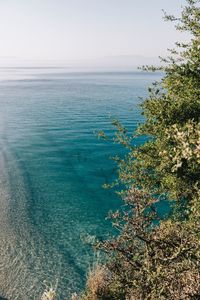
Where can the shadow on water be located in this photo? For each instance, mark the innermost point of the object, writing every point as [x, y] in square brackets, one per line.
[1, 298]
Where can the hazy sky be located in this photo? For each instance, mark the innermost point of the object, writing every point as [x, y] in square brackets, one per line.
[85, 29]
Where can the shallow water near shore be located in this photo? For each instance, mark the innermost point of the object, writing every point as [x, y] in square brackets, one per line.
[52, 167]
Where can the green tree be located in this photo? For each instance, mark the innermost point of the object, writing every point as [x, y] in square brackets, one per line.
[158, 257]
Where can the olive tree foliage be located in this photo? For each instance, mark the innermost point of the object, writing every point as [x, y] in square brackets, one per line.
[158, 257]
[169, 161]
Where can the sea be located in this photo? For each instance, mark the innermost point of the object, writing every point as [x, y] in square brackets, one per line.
[52, 169]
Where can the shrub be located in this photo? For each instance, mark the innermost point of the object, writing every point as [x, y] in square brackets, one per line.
[158, 256]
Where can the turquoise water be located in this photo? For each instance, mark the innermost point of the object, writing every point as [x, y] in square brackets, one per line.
[52, 167]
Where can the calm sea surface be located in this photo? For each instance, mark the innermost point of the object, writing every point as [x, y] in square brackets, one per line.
[52, 167]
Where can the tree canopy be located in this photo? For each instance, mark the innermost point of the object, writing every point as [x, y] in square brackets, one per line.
[153, 256]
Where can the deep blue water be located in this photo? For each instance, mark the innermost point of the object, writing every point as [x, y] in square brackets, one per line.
[52, 167]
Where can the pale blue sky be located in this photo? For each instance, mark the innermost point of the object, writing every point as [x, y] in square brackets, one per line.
[85, 29]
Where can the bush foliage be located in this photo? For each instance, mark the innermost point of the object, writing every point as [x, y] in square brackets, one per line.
[158, 257]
